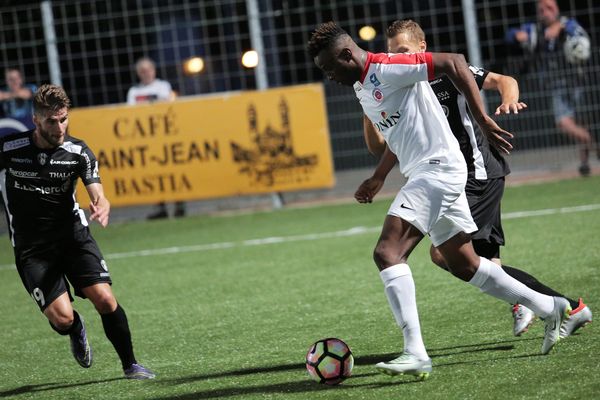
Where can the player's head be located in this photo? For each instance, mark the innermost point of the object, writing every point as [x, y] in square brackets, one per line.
[548, 12]
[405, 36]
[146, 70]
[14, 78]
[51, 114]
[336, 54]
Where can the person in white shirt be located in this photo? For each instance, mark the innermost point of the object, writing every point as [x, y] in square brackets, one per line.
[395, 95]
[151, 89]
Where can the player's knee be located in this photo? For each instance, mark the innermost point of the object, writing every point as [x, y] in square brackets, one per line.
[385, 256]
[61, 322]
[105, 303]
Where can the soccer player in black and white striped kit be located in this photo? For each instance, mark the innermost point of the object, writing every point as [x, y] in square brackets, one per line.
[53, 247]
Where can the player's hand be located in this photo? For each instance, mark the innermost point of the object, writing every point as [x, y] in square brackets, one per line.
[497, 136]
[368, 189]
[100, 210]
[507, 108]
[521, 36]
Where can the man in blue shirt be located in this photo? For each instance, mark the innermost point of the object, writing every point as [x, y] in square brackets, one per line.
[545, 41]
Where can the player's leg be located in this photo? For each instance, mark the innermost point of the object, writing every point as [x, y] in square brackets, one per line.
[398, 239]
[465, 264]
[564, 104]
[116, 328]
[89, 274]
[66, 321]
[37, 267]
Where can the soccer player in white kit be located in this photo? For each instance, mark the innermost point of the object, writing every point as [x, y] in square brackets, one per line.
[395, 95]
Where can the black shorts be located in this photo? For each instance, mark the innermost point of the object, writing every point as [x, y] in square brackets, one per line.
[46, 269]
[484, 199]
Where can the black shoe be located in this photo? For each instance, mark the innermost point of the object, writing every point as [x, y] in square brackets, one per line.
[159, 215]
[584, 170]
[80, 347]
[179, 210]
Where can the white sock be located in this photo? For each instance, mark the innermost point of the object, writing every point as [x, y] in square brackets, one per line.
[492, 279]
[400, 292]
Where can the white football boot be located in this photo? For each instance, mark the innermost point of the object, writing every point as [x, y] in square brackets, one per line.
[406, 364]
[579, 317]
[553, 322]
[523, 318]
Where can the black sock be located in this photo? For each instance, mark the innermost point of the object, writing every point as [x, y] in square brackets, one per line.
[536, 285]
[76, 326]
[117, 331]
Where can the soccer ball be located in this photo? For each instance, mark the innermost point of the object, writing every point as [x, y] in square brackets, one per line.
[577, 49]
[329, 361]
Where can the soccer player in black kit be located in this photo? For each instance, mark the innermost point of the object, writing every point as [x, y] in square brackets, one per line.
[486, 170]
[53, 246]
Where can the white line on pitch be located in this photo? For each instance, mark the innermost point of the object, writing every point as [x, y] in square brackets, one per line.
[358, 230]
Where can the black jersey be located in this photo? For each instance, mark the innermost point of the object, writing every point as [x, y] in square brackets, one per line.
[483, 160]
[38, 186]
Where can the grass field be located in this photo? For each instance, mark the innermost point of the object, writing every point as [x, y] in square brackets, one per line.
[222, 315]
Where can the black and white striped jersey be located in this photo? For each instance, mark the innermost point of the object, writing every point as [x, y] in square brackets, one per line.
[483, 160]
[38, 186]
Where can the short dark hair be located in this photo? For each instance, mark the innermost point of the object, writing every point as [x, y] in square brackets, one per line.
[324, 37]
[406, 26]
[50, 98]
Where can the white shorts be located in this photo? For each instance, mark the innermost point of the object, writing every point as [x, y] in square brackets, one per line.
[434, 201]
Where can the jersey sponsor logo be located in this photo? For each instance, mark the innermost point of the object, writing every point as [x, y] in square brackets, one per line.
[377, 95]
[22, 160]
[435, 81]
[15, 144]
[42, 158]
[44, 189]
[443, 95]
[63, 162]
[22, 174]
[387, 121]
[103, 265]
[374, 80]
[62, 175]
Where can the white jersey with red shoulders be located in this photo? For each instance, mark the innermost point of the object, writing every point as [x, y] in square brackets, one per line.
[395, 95]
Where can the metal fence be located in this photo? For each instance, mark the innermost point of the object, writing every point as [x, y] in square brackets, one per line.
[99, 41]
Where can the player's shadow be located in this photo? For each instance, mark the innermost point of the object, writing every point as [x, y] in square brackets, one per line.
[305, 385]
[502, 345]
[42, 387]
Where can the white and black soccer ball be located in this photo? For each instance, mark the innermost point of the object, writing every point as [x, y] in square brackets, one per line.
[577, 49]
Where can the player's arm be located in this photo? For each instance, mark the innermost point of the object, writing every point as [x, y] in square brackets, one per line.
[99, 204]
[374, 140]
[24, 93]
[370, 187]
[457, 69]
[508, 87]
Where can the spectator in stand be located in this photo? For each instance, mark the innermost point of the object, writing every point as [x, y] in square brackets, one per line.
[545, 41]
[17, 97]
[152, 89]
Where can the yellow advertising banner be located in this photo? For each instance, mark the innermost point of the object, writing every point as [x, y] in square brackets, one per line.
[205, 147]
